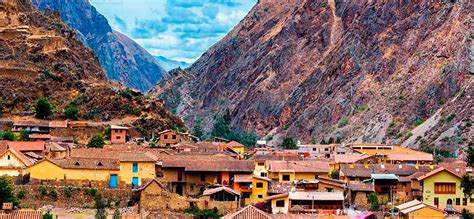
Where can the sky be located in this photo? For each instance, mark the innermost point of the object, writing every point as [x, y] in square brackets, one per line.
[177, 29]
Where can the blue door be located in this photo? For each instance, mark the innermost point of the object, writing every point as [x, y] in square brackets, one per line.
[135, 182]
[113, 181]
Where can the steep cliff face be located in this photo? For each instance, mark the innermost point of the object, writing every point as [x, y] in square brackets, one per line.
[40, 57]
[369, 71]
[121, 58]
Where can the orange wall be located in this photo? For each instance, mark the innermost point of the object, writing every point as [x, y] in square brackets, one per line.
[118, 136]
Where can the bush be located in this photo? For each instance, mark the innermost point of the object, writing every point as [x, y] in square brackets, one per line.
[43, 191]
[67, 192]
[21, 194]
[43, 108]
[451, 117]
[47, 215]
[53, 193]
[97, 141]
[289, 143]
[71, 112]
[24, 136]
[418, 122]
[334, 174]
[6, 191]
[92, 191]
[343, 122]
[8, 135]
[374, 201]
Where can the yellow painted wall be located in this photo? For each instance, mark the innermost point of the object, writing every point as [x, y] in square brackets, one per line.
[426, 213]
[260, 168]
[280, 176]
[280, 210]
[146, 171]
[13, 162]
[10, 171]
[46, 170]
[258, 191]
[240, 150]
[429, 192]
[12, 166]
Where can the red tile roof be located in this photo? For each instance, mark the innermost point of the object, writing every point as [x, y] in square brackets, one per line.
[25, 160]
[234, 144]
[360, 186]
[211, 165]
[22, 214]
[86, 163]
[124, 156]
[27, 145]
[350, 158]
[218, 189]
[360, 170]
[436, 171]
[298, 166]
[249, 212]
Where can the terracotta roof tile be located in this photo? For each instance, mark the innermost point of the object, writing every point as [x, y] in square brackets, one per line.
[27, 145]
[218, 189]
[87, 163]
[248, 212]
[360, 170]
[211, 166]
[124, 156]
[298, 166]
[350, 158]
[360, 186]
[22, 214]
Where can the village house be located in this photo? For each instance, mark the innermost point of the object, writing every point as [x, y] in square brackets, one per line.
[361, 172]
[55, 150]
[154, 197]
[135, 167]
[394, 154]
[86, 169]
[358, 193]
[442, 189]
[190, 177]
[236, 146]
[171, 137]
[13, 162]
[303, 202]
[417, 209]
[118, 134]
[289, 171]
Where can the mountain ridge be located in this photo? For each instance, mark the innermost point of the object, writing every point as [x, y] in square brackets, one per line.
[121, 58]
[359, 71]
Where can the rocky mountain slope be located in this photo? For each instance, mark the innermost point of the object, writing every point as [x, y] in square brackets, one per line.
[169, 64]
[40, 57]
[121, 58]
[371, 71]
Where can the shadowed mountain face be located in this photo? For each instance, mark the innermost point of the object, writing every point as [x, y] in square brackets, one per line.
[40, 57]
[372, 71]
[121, 58]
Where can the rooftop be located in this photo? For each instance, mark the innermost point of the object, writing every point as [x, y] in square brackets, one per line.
[219, 189]
[87, 163]
[384, 176]
[27, 145]
[361, 170]
[317, 196]
[211, 165]
[298, 166]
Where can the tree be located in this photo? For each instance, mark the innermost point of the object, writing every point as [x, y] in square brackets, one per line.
[47, 215]
[470, 155]
[197, 131]
[24, 136]
[100, 206]
[465, 214]
[117, 214]
[289, 143]
[97, 141]
[374, 201]
[6, 191]
[43, 108]
[71, 112]
[466, 185]
[334, 174]
[8, 135]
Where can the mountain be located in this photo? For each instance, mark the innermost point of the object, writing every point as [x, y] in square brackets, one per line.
[361, 71]
[121, 58]
[169, 64]
[41, 57]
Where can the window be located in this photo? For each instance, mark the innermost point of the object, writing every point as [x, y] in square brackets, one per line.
[165, 136]
[314, 149]
[263, 174]
[259, 185]
[464, 201]
[117, 137]
[445, 188]
[280, 203]
[135, 167]
[174, 136]
[203, 178]
[329, 189]
[261, 163]
[285, 177]
[260, 196]
[436, 201]
[245, 195]
[458, 201]
[8, 157]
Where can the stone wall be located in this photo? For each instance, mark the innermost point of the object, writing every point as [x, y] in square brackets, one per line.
[78, 197]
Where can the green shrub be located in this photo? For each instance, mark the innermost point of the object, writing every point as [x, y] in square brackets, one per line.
[451, 117]
[418, 122]
[362, 108]
[343, 121]
[71, 112]
[334, 174]
[21, 194]
[289, 143]
[97, 141]
[42, 190]
[92, 192]
[8, 135]
[53, 193]
[48, 215]
[67, 192]
[6, 191]
[43, 108]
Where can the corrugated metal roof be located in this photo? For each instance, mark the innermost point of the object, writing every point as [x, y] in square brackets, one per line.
[384, 176]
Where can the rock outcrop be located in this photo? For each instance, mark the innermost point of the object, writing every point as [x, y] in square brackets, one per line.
[41, 57]
[370, 71]
[121, 58]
